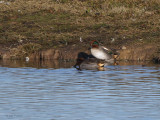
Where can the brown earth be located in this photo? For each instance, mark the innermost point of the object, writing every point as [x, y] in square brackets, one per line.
[51, 29]
[129, 53]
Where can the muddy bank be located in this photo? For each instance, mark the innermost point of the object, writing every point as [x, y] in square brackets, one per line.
[53, 30]
[127, 53]
[140, 53]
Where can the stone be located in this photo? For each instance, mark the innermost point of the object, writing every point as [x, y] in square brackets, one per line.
[124, 48]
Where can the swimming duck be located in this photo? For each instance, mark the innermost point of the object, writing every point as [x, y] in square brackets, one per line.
[101, 52]
[89, 64]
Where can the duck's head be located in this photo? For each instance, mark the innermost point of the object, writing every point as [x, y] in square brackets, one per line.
[94, 44]
[78, 63]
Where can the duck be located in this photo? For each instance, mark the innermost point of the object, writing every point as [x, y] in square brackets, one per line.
[89, 63]
[102, 53]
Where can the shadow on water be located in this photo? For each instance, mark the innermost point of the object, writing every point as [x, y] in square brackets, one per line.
[37, 64]
[56, 64]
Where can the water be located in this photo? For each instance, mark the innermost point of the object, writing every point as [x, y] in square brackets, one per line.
[34, 91]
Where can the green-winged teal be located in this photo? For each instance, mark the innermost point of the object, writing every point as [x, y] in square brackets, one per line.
[101, 52]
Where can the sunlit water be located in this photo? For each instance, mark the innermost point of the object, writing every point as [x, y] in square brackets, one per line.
[122, 92]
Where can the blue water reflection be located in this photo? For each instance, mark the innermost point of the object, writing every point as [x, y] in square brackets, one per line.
[124, 92]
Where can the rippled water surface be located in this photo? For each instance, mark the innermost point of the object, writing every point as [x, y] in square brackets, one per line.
[35, 91]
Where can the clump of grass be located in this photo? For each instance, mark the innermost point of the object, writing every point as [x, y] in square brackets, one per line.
[101, 25]
[24, 50]
[30, 47]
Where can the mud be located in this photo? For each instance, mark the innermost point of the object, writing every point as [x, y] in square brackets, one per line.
[127, 53]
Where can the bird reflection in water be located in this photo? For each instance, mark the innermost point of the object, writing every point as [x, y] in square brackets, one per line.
[88, 62]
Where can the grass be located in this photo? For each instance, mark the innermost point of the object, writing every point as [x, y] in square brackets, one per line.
[59, 23]
[24, 50]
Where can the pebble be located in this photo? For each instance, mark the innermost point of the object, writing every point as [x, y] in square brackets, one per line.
[27, 59]
[124, 48]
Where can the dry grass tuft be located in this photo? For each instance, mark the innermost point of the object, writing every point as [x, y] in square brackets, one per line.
[23, 51]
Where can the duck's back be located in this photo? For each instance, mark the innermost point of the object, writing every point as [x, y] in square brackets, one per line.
[100, 53]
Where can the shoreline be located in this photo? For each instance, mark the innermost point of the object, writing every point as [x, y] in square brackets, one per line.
[141, 53]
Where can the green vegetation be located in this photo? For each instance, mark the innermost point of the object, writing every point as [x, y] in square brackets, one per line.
[58, 23]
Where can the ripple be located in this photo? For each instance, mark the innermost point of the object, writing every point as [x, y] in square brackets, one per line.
[121, 93]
